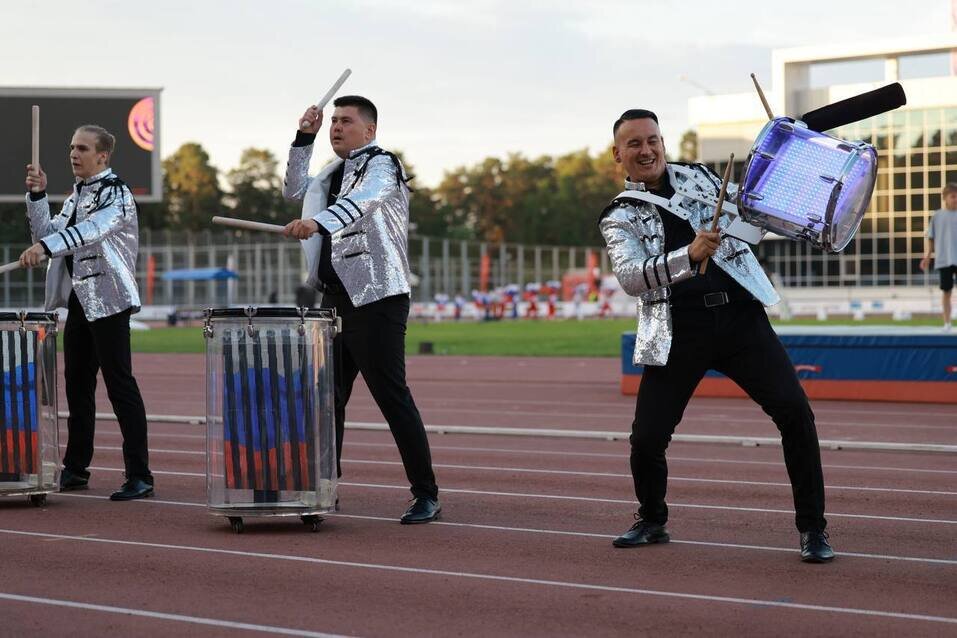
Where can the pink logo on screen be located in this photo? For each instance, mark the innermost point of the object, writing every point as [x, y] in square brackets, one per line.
[140, 123]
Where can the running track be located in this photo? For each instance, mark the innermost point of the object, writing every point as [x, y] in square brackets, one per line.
[524, 544]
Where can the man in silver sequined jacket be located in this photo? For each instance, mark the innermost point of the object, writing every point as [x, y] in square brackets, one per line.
[354, 231]
[658, 236]
[92, 245]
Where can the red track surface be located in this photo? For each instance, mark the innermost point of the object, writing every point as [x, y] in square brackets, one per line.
[524, 544]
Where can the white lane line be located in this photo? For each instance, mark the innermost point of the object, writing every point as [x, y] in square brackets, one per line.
[561, 497]
[687, 479]
[553, 532]
[563, 584]
[706, 420]
[196, 620]
[525, 470]
[621, 455]
[594, 499]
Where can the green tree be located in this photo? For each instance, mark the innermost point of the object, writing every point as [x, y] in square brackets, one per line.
[191, 188]
[256, 189]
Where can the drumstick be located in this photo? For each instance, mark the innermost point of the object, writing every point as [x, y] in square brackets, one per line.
[764, 100]
[14, 265]
[248, 225]
[328, 96]
[35, 155]
[717, 210]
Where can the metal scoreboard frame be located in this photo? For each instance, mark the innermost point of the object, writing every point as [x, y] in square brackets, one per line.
[146, 182]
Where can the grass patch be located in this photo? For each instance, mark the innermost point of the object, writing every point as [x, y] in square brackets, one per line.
[559, 338]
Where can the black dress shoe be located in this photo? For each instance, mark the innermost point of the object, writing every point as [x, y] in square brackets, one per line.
[423, 510]
[642, 533]
[133, 489]
[815, 548]
[72, 481]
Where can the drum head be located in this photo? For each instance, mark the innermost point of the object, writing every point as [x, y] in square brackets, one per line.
[852, 200]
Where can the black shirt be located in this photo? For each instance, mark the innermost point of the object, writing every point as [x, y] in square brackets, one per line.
[678, 234]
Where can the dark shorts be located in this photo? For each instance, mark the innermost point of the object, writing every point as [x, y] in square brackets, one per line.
[947, 276]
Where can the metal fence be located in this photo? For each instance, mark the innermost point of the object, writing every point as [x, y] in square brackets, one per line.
[271, 268]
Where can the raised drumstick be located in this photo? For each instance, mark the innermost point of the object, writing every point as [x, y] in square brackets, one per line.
[764, 100]
[717, 210]
[35, 154]
[328, 96]
[248, 225]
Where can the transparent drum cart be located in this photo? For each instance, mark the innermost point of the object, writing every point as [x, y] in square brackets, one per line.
[29, 440]
[270, 434]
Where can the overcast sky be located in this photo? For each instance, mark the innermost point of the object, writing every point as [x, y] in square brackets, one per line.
[454, 81]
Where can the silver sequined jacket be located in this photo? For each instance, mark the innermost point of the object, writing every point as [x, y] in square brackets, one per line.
[368, 224]
[634, 233]
[103, 241]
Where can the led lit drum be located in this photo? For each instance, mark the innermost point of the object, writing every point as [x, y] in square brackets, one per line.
[29, 446]
[807, 185]
[270, 434]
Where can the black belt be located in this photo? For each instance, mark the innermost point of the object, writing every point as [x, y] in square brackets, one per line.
[709, 300]
[330, 289]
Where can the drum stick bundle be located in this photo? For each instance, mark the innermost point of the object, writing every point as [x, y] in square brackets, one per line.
[717, 210]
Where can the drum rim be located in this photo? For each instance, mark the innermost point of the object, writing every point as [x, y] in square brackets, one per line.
[270, 312]
[829, 243]
[29, 317]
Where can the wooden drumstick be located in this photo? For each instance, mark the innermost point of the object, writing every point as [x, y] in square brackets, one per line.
[328, 96]
[248, 225]
[717, 210]
[15, 265]
[764, 100]
[35, 154]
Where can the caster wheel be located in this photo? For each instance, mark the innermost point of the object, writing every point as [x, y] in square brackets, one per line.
[38, 500]
[313, 521]
[236, 523]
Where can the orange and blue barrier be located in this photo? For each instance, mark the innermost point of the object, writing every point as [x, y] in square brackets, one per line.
[849, 363]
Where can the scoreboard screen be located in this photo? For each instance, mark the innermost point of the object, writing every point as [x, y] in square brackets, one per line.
[131, 115]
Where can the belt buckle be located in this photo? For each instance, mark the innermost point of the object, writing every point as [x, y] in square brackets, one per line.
[713, 299]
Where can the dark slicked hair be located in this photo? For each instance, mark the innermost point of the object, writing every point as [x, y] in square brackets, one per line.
[633, 114]
[365, 106]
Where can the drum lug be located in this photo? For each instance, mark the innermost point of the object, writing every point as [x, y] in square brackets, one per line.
[829, 179]
[250, 313]
[208, 323]
[302, 310]
[22, 318]
[767, 156]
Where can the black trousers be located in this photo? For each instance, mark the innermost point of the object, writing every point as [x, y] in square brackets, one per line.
[372, 342]
[88, 347]
[737, 340]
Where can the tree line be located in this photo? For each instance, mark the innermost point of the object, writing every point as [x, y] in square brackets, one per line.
[543, 200]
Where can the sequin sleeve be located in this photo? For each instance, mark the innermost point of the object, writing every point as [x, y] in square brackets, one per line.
[297, 179]
[637, 268]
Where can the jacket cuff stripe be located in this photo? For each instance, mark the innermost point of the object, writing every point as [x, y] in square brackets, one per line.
[354, 205]
[654, 269]
[667, 270]
[644, 272]
[344, 210]
[66, 238]
[336, 215]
